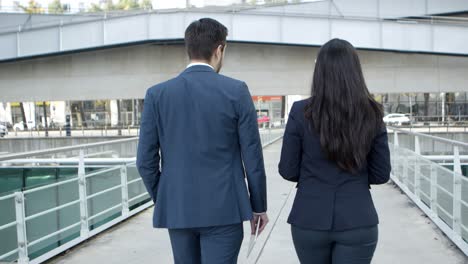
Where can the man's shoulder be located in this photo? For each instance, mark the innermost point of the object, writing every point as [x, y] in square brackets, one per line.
[230, 79]
[234, 82]
[163, 85]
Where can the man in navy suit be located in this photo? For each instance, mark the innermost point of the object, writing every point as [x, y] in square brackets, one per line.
[202, 126]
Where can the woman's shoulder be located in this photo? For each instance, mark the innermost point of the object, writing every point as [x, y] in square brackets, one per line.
[298, 107]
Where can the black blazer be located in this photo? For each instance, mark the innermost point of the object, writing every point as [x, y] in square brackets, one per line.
[329, 198]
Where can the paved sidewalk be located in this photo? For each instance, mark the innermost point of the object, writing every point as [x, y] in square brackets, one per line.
[406, 235]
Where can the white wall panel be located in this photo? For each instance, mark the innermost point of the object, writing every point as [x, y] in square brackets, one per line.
[83, 35]
[401, 8]
[441, 6]
[7, 46]
[451, 39]
[412, 37]
[257, 28]
[167, 26]
[360, 33]
[301, 30]
[355, 8]
[41, 41]
[128, 29]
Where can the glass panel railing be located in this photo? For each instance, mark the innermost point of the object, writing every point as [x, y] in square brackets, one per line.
[65, 196]
[104, 191]
[9, 242]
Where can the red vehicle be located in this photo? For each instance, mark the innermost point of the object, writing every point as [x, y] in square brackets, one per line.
[263, 119]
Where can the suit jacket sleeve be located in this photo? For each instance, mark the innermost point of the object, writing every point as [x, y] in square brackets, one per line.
[148, 147]
[378, 159]
[251, 149]
[291, 152]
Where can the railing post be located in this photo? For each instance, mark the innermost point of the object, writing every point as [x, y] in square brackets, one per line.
[23, 257]
[417, 147]
[84, 231]
[124, 183]
[270, 135]
[434, 208]
[417, 169]
[395, 138]
[457, 189]
[404, 179]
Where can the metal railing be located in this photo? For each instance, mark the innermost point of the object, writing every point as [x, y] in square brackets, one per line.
[441, 193]
[41, 222]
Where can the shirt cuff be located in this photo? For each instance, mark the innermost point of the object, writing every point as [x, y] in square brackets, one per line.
[259, 213]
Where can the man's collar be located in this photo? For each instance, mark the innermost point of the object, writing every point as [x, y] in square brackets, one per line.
[199, 64]
[199, 67]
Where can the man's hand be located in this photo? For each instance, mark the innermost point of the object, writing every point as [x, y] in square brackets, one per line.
[263, 222]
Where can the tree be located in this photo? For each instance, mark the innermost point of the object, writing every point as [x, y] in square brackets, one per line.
[127, 4]
[56, 7]
[109, 6]
[32, 8]
[146, 4]
[95, 8]
[23, 115]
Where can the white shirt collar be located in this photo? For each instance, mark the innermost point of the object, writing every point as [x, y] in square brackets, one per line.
[199, 64]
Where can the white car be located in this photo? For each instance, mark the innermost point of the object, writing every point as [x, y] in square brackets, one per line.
[3, 130]
[20, 126]
[396, 119]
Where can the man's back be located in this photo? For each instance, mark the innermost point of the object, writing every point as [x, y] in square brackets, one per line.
[205, 125]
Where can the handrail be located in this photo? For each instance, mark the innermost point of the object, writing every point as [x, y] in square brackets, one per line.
[407, 174]
[440, 139]
[88, 161]
[63, 149]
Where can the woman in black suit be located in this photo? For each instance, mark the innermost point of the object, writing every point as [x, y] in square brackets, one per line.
[335, 145]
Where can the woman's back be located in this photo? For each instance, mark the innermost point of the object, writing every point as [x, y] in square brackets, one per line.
[329, 198]
[335, 146]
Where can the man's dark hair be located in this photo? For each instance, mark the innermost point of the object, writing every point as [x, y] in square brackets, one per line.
[203, 36]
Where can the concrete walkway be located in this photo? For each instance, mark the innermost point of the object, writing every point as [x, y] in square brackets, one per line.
[406, 235]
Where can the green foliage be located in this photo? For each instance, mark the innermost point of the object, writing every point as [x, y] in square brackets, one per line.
[95, 8]
[56, 7]
[32, 8]
[146, 4]
[122, 5]
[109, 6]
[127, 5]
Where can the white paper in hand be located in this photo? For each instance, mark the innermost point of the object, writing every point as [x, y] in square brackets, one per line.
[253, 239]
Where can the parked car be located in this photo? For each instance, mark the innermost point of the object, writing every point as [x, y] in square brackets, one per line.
[20, 126]
[3, 130]
[396, 119]
[263, 119]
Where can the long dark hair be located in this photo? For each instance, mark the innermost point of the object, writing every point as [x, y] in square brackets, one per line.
[341, 109]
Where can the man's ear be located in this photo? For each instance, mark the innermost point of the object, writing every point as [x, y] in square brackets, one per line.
[220, 50]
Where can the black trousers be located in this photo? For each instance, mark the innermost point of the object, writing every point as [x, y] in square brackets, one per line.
[207, 245]
[354, 246]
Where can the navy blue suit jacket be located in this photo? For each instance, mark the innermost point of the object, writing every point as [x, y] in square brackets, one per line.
[203, 127]
[329, 198]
